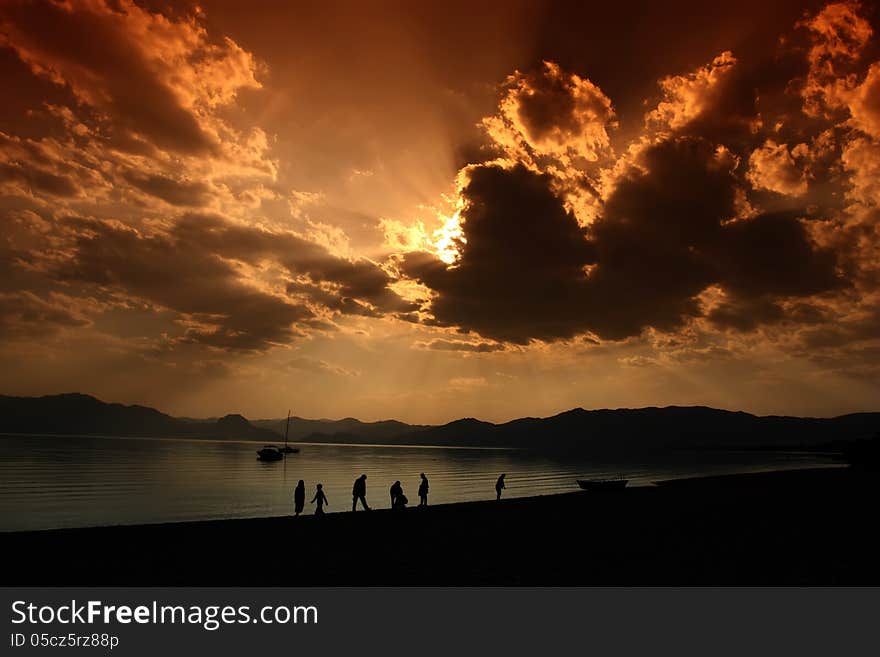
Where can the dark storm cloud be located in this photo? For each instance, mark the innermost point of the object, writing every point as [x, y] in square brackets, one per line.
[521, 267]
[772, 254]
[653, 238]
[527, 270]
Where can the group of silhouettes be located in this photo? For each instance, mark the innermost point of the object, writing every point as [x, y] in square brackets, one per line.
[359, 494]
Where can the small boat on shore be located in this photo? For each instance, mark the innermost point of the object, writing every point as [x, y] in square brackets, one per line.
[270, 453]
[603, 484]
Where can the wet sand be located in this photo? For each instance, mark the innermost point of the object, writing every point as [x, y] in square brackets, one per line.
[794, 527]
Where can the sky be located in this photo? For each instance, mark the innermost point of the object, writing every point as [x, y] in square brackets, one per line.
[427, 211]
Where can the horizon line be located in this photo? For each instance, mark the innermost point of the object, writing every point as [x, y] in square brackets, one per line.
[456, 419]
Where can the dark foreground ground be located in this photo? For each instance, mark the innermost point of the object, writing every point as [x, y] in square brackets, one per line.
[797, 527]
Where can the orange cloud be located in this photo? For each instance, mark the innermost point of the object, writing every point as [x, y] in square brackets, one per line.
[773, 168]
[149, 186]
[864, 103]
[687, 97]
[553, 113]
[839, 35]
[639, 238]
[148, 78]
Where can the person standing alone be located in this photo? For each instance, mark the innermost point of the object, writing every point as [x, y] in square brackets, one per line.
[359, 492]
[423, 490]
[499, 486]
[299, 497]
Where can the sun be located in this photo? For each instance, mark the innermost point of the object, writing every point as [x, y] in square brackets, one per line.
[449, 238]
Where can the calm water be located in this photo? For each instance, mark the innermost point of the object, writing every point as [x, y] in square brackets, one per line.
[48, 482]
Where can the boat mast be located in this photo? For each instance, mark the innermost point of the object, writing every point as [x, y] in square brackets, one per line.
[286, 428]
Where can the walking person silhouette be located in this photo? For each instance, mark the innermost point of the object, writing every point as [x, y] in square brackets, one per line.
[499, 486]
[395, 490]
[423, 490]
[359, 492]
[320, 499]
[299, 497]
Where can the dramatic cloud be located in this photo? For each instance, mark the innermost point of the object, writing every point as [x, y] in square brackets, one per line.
[144, 133]
[141, 116]
[150, 79]
[527, 270]
[227, 196]
[861, 158]
[707, 216]
[521, 260]
[687, 98]
[839, 36]
[553, 113]
[772, 167]
[864, 103]
[208, 270]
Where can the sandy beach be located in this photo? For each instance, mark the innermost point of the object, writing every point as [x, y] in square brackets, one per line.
[812, 526]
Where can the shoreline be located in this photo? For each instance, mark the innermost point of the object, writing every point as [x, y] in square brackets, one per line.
[805, 526]
[690, 480]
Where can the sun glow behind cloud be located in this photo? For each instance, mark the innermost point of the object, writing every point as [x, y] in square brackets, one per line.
[198, 195]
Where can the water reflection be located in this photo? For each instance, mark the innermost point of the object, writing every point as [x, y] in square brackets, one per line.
[50, 482]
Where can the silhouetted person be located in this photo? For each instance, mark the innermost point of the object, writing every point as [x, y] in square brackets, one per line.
[320, 499]
[395, 490]
[400, 500]
[359, 492]
[423, 490]
[299, 497]
[499, 486]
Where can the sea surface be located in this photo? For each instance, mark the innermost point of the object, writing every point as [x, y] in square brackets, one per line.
[52, 481]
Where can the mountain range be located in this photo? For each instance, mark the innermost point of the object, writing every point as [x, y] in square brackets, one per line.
[619, 430]
[78, 414]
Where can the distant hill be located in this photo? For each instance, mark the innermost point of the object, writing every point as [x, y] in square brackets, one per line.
[75, 413]
[636, 431]
[346, 430]
[578, 430]
[645, 429]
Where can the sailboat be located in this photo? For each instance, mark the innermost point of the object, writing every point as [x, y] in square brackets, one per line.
[287, 449]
